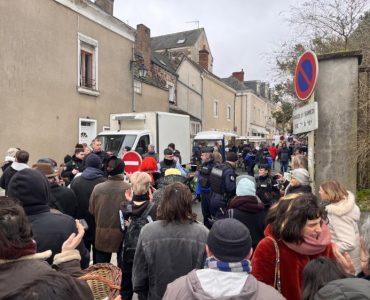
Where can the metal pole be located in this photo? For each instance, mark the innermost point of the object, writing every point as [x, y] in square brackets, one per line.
[311, 151]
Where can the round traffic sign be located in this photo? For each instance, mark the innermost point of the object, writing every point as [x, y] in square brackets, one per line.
[132, 161]
[306, 73]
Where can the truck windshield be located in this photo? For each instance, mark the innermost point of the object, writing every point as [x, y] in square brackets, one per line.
[115, 143]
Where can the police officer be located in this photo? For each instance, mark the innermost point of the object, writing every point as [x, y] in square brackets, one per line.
[267, 186]
[170, 162]
[203, 183]
[223, 185]
[75, 165]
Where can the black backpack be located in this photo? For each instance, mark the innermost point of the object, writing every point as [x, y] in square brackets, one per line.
[132, 233]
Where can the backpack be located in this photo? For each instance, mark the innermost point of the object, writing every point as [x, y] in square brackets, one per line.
[132, 233]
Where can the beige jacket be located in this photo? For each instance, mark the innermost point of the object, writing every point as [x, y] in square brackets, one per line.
[343, 223]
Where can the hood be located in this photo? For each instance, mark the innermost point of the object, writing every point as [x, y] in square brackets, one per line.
[167, 180]
[19, 166]
[345, 289]
[214, 284]
[32, 189]
[345, 207]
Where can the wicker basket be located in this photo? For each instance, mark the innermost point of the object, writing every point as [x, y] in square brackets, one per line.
[104, 280]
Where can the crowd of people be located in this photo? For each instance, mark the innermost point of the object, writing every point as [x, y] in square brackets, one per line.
[264, 235]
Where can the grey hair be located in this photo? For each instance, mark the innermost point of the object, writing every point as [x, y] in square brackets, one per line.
[365, 234]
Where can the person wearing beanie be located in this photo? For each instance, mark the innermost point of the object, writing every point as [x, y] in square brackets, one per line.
[267, 186]
[222, 185]
[226, 274]
[139, 196]
[105, 201]
[299, 183]
[248, 208]
[50, 230]
[61, 197]
[83, 186]
[169, 161]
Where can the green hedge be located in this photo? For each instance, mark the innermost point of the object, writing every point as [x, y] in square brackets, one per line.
[363, 199]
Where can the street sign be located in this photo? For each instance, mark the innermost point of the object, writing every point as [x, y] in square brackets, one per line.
[305, 119]
[306, 73]
[132, 161]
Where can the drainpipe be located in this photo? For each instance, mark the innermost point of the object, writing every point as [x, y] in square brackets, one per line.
[202, 99]
[132, 67]
[234, 114]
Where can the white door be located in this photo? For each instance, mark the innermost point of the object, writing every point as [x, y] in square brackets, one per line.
[87, 130]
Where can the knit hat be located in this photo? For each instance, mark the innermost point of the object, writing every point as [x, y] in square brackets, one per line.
[32, 189]
[10, 154]
[231, 156]
[229, 240]
[93, 161]
[172, 171]
[345, 289]
[116, 167]
[251, 178]
[45, 169]
[302, 176]
[246, 187]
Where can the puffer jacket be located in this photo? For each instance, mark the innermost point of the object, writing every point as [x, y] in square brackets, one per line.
[162, 182]
[343, 223]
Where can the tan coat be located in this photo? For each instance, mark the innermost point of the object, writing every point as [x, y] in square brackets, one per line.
[104, 205]
[343, 223]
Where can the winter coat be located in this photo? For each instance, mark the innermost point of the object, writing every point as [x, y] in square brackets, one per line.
[74, 163]
[273, 152]
[50, 230]
[213, 284]
[345, 289]
[83, 188]
[291, 265]
[165, 252]
[23, 272]
[10, 172]
[343, 219]
[63, 199]
[297, 189]
[284, 154]
[104, 205]
[162, 182]
[251, 212]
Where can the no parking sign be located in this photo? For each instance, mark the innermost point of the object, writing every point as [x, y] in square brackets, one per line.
[306, 75]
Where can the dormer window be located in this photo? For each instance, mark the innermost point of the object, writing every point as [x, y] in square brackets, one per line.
[181, 41]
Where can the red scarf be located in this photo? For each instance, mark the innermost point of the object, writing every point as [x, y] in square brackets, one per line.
[16, 252]
[312, 246]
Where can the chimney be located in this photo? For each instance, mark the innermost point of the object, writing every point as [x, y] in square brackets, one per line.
[143, 45]
[239, 75]
[106, 5]
[203, 58]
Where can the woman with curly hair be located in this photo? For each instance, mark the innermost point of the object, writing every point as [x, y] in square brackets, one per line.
[297, 232]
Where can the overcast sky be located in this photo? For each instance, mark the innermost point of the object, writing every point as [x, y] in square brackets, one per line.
[241, 33]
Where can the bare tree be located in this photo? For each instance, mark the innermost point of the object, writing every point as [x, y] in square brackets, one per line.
[330, 20]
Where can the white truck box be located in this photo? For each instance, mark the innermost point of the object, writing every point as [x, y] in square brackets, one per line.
[138, 130]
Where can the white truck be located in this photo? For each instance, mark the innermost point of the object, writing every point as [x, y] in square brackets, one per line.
[138, 130]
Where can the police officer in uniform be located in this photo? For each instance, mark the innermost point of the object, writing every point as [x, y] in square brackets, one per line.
[223, 185]
[267, 186]
[203, 183]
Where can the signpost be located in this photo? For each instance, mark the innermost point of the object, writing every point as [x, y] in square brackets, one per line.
[305, 119]
[132, 161]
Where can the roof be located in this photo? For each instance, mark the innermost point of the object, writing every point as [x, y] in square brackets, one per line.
[176, 40]
[177, 110]
[164, 62]
[234, 83]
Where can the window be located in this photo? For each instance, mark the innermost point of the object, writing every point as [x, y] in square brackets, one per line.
[87, 65]
[137, 86]
[181, 41]
[195, 128]
[171, 92]
[142, 145]
[228, 112]
[215, 108]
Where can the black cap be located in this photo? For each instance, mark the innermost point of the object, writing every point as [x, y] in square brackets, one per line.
[167, 152]
[231, 156]
[229, 240]
[207, 150]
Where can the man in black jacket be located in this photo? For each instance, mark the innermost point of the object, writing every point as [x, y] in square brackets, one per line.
[50, 230]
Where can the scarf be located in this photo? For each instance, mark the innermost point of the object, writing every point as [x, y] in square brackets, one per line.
[140, 198]
[15, 252]
[310, 245]
[91, 173]
[241, 266]
[248, 204]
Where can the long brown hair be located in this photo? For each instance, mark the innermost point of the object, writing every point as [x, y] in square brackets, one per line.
[334, 190]
[176, 204]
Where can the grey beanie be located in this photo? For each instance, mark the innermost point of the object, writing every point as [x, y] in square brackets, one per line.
[302, 176]
[345, 289]
[229, 240]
